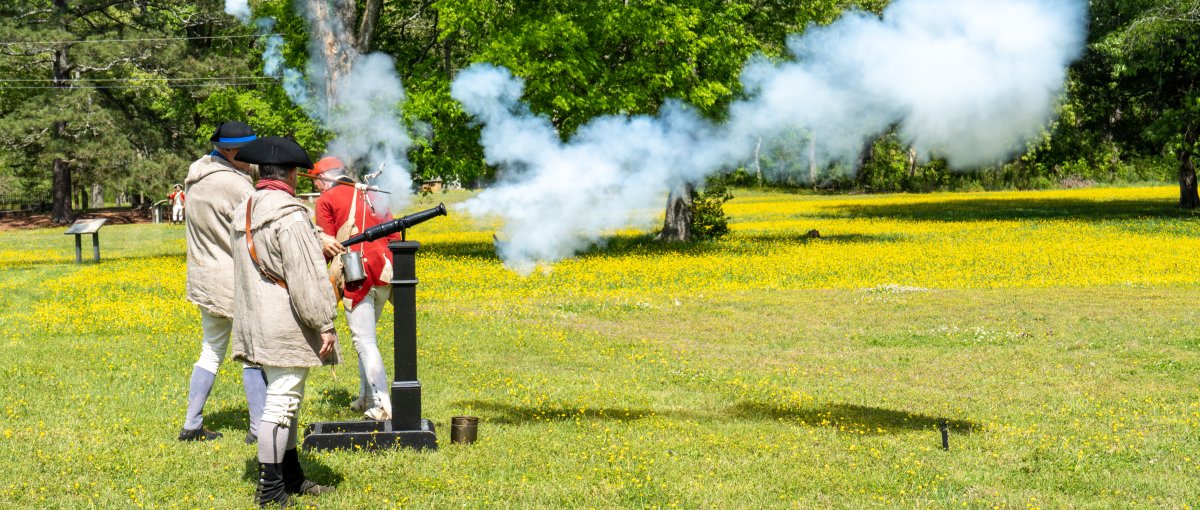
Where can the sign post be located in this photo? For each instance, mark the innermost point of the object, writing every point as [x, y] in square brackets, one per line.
[81, 227]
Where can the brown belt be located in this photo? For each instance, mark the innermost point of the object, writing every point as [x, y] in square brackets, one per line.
[266, 273]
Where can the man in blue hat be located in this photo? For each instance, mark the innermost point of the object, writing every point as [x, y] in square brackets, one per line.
[215, 185]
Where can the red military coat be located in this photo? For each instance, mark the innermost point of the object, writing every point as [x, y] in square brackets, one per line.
[332, 211]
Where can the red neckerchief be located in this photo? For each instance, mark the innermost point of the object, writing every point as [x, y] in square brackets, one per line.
[275, 185]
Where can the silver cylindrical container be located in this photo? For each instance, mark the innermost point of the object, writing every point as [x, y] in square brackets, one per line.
[352, 266]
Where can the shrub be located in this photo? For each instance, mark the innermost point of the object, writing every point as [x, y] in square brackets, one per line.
[708, 213]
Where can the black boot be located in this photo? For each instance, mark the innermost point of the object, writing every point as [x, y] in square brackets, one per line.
[271, 489]
[294, 480]
[200, 434]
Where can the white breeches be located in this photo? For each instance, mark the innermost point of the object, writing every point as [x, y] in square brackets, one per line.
[361, 319]
[215, 343]
[285, 391]
[177, 213]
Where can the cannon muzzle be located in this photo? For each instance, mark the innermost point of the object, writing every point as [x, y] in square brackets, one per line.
[396, 225]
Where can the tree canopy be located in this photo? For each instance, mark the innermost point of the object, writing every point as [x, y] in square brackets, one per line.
[117, 96]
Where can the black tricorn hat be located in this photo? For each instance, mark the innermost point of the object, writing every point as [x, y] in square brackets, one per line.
[274, 150]
[232, 134]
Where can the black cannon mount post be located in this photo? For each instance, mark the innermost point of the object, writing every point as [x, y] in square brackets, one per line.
[406, 428]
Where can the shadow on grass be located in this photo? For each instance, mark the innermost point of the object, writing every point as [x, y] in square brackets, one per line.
[314, 470]
[229, 419]
[496, 412]
[852, 418]
[1019, 209]
[337, 397]
[645, 244]
[87, 260]
[802, 238]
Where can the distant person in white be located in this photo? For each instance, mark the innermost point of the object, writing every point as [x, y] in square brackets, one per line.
[176, 197]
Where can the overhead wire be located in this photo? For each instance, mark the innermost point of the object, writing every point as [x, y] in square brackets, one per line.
[174, 86]
[148, 78]
[149, 39]
[172, 82]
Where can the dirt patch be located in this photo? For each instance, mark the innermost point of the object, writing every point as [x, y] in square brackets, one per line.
[42, 220]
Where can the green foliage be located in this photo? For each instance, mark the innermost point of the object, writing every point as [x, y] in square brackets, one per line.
[1132, 99]
[708, 211]
[1129, 105]
[580, 59]
[125, 101]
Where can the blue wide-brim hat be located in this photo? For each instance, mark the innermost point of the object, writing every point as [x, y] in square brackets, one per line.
[232, 135]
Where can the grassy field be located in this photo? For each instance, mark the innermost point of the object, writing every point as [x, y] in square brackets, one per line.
[1055, 332]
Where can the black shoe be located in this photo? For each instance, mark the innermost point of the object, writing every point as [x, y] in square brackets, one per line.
[251, 438]
[200, 434]
[271, 489]
[294, 480]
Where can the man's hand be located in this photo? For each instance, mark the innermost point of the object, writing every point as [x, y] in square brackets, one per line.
[328, 341]
[330, 247]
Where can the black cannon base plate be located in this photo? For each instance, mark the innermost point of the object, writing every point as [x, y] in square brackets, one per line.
[367, 435]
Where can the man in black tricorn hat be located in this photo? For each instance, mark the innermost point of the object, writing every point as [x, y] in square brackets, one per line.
[284, 308]
[216, 183]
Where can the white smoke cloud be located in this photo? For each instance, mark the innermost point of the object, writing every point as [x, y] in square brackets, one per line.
[274, 66]
[366, 121]
[968, 80]
[239, 9]
[364, 114]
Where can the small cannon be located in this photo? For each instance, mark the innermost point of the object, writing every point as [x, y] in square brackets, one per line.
[396, 225]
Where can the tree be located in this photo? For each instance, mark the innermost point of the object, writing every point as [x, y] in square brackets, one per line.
[109, 90]
[1134, 93]
[1159, 64]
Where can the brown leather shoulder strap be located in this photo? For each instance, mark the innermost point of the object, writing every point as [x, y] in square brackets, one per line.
[267, 273]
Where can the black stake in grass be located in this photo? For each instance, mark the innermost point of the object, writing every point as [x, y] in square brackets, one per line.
[945, 428]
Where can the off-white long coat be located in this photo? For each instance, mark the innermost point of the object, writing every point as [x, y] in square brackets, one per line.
[214, 188]
[274, 326]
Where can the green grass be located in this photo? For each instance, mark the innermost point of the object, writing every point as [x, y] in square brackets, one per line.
[1058, 397]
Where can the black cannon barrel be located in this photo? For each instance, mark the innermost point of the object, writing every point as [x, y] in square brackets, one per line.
[396, 225]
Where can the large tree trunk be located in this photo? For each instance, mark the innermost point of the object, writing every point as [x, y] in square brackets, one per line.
[61, 187]
[1188, 198]
[61, 213]
[333, 27]
[677, 226]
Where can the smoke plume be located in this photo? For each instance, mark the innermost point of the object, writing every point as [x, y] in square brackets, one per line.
[239, 9]
[971, 81]
[356, 97]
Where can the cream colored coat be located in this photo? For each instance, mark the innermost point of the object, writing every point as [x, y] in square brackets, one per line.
[274, 326]
[214, 188]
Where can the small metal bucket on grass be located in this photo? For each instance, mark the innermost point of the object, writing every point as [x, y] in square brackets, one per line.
[463, 429]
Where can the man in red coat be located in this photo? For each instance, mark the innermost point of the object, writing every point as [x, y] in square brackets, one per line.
[342, 211]
[177, 199]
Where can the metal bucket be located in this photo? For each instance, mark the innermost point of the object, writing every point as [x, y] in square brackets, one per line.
[352, 266]
[464, 429]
